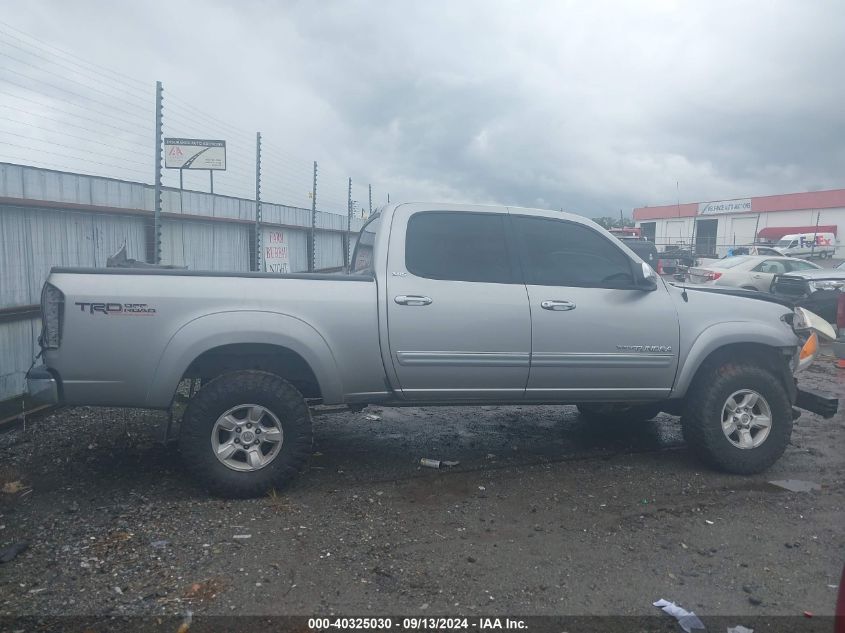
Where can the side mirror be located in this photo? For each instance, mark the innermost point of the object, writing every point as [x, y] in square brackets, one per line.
[646, 277]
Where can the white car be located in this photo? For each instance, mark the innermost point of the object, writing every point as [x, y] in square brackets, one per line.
[751, 272]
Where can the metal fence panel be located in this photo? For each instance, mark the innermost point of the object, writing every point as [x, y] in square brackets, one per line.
[17, 349]
[298, 250]
[206, 245]
[329, 250]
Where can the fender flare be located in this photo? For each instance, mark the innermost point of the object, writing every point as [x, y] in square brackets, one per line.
[727, 333]
[242, 327]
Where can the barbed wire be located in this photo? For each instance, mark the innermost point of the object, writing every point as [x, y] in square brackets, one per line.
[64, 111]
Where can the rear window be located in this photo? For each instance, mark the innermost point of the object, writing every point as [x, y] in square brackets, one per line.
[458, 246]
[362, 258]
[729, 262]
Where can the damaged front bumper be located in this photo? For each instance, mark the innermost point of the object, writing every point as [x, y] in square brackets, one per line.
[825, 406]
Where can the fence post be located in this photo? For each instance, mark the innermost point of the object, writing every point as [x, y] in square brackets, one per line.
[158, 157]
[257, 263]
[312, 238]
[349, 224]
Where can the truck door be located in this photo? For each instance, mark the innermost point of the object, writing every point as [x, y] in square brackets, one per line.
[594, 334]
[458, 319]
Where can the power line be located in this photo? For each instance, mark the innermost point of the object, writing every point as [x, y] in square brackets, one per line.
[76, 67]
[188, 106]
[94, 162]
[54, 144]
[81, 138]
[70, 114]
[69, 54]
[61, 76]
[7, 80]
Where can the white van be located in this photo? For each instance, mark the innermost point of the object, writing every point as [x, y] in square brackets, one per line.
[805, 244]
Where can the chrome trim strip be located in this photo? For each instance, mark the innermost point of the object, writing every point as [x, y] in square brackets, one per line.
[623, 360]
[464, 359]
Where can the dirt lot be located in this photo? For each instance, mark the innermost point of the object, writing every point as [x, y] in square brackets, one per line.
[543, 515]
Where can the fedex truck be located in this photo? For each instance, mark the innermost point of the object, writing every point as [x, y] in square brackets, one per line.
[805, 244]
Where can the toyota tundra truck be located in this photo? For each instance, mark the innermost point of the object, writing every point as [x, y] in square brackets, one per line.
[442, 305]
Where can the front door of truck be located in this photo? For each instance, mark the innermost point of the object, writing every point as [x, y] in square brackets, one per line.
[458, 318]
[595, 336]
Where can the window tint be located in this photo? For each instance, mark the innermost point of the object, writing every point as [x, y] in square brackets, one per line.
[793, 266]
[561, 253]
[771, 266]
[458, 246]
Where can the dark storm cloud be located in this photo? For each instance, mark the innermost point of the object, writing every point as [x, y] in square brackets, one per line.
[593, 107]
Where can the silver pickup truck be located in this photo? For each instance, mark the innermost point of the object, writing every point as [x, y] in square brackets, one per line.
[444, 304]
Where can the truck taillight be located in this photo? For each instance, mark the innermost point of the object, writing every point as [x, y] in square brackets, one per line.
[840, 311]
[52, 315]
[659, 266]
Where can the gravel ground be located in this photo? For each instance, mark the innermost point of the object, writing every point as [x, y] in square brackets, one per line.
[544, 514]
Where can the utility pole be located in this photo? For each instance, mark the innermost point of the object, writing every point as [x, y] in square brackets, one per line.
[257, 263]
[371, 200]
[158, 158]
[312, 238]
[349, 222]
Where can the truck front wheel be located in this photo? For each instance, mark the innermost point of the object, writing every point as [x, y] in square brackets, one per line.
[245, 433]
[737, 417]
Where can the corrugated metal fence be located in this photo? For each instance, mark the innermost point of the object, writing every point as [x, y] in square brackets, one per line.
[50, 218]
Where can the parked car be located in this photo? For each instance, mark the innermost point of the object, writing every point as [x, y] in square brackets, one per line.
[446, 304]
[645, 250]
[818, 290]
[750, 272]
[683, 256]
[661, 262]
[808, 244]
[756, 249]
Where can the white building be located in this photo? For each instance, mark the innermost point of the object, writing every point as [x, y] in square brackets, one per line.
[716, 226]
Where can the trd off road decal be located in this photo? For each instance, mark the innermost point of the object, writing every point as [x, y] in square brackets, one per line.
[116, 309]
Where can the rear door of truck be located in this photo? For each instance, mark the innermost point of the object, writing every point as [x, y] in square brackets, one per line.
[458, 319]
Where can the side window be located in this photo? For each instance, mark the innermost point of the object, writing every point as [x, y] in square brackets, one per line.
[561, 253]
[793, 266]
[458, 246]
[770, 266]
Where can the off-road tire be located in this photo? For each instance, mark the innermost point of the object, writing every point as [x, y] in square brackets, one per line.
[232, 389]
[618, 414]
[702, 416]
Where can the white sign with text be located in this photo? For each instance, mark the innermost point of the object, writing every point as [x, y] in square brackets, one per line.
[276, 251]
[742, 205]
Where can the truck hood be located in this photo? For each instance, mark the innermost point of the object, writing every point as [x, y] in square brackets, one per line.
[736, 292]
[821, 273]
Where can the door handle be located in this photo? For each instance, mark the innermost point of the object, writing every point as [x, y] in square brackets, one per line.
[557, 306]
[412, 300]
[757, 276]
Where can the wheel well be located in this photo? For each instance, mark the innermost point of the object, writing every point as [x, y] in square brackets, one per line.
[275, 359]
[765, 355]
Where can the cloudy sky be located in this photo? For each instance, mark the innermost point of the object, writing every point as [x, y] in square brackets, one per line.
[589, 106]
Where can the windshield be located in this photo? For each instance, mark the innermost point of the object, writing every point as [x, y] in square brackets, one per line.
[784, 242]
[362, 258]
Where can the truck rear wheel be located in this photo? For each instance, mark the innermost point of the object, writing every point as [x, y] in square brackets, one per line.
[618, 413]
[737, 417]
[245, 433]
